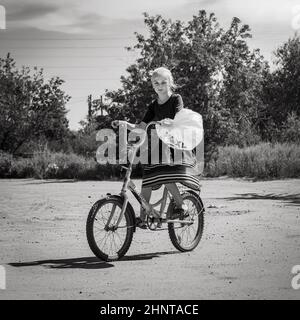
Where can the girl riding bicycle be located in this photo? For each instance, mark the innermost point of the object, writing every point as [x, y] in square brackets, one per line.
[112, 221]
[164, 107]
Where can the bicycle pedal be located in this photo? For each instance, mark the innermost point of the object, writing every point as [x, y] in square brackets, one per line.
[159, 225]
[183, 222]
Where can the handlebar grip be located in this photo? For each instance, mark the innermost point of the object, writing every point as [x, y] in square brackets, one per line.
[113, 124]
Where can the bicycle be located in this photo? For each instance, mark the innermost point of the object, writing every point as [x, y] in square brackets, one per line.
[111, 221]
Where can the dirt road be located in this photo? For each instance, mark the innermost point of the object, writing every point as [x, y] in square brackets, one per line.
[251, 242]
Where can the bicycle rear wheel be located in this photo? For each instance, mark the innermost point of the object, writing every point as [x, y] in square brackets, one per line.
[186, 237]
[107, 241]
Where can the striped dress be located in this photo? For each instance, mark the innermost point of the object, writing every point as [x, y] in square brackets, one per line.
[165, 164]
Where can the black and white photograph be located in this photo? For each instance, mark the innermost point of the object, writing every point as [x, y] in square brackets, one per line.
[149, 150]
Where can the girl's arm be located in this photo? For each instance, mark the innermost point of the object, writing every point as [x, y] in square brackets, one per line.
[141, 125]
[130, 126]
[122, 123]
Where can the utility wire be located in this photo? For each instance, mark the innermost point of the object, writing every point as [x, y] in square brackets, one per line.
[68, 39]
[91, 79]
[68, 47]
[63, 56]
[68, 67]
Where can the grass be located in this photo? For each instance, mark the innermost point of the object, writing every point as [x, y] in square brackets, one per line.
[261, 161]
[49, 165]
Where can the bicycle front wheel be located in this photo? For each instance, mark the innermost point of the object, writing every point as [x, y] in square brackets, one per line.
[186, 237]
[107, 241]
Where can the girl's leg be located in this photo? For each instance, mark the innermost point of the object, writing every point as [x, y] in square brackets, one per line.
[172, 187]
[146, 193]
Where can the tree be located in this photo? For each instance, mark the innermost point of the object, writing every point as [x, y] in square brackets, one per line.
[291, 129]
[215, 71]
[30, 107]
[283, 87]
[244, 76]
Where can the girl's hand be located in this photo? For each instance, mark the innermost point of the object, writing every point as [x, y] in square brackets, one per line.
[166, 122]
[117, 123]
[123, 124]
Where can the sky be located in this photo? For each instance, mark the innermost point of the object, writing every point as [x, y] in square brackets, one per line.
[84, 42]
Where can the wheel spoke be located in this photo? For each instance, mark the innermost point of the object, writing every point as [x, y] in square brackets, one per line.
[110, 241]
[187, 236]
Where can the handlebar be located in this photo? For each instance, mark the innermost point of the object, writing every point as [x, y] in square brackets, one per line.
[150, 123]
[115, 124]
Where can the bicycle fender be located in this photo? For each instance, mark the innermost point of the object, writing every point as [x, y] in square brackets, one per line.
[197, 196]
[129, 207]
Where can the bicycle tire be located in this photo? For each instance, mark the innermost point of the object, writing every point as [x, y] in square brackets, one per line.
[199, 216]
[91, 233]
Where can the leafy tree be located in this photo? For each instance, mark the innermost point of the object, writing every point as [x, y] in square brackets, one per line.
[283, 86]
[30, 107]
[99, 116]
[216, 73]
[244, 76]
[291, 129]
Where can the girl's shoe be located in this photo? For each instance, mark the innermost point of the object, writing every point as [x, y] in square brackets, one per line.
[179, 213]
[141, 223]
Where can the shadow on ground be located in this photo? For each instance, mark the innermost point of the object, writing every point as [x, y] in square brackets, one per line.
[37, 182]
[292, 199]
[74, 263]
[87, 262]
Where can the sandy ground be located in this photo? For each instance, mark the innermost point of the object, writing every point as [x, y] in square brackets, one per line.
[251, 242]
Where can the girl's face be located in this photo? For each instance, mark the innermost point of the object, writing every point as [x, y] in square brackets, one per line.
[161, 85]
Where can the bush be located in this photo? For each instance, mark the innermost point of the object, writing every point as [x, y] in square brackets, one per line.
[291, 129]
[40, 163]
[243, 135]
[70, 166]
[49, 165]
[5, 164]
[58, 165]
[263, 161]
[22, 168]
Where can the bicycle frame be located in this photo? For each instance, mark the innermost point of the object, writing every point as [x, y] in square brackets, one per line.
[113, 241]
[129, 185]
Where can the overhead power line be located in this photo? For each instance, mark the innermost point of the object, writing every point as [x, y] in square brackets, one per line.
[68, 47]
[78, 56]
[91, 79]
[70, 67]
[69, 39]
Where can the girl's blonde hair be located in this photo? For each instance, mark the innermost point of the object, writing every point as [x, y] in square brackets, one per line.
[162, 71]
